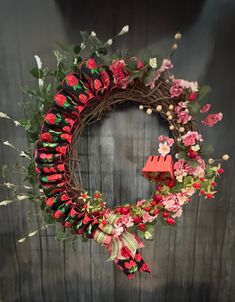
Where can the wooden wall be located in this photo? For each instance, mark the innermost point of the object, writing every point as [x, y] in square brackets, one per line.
[194, 261]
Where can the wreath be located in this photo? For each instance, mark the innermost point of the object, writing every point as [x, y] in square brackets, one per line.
[87, 95]
[88, 91]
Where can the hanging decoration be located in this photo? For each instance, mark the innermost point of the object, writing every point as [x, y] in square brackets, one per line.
[89, 91]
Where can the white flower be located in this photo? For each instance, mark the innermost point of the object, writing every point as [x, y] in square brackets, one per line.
[23, 154]
[22, 197]
[148, 235]
[27, 187]
[179, 178]
[4, 115]
[110, 42]
[124, 30]
[17, 123]
[93, 34]
[189, 190]
[82, 45]
[33, 233]
[39, 62]
[40, 83]
[153, 62]
[164, 149]
[5, 202]
[9, 185]
[22, 239]
[6, 143]
[195, 148]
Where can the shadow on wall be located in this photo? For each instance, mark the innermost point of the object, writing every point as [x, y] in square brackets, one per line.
[158, 17]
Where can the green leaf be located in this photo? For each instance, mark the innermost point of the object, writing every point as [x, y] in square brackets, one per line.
[188, 180]
[4, 171]
[149, 76]
[207, 149]
[76, 49]
[203, 91]
[182, 155]
[35, 72]
[193, 107]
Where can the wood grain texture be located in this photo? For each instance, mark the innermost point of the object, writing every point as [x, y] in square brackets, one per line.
[191, 262]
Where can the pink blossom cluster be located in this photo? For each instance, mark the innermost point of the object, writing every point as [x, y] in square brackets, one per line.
[182, 113]
[212, 119]
[180, 85]
[182, 168]
[191, 138]
[124, 222]
[120, 75]
[166, 65]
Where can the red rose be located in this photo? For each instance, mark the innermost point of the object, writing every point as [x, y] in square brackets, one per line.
[202, 179]
[138, 257]
[196, 185]
[141, 226]
[192, 96]
[105, 78]
[60, 99]
[131, 276]
[214, 184]
[58, 214]
[66, 129]
[97, 84]
[157, 197]
[153, 203]
[165, 214]
[209, 196]
[46, 137]
[67, 137]
[50, 118]
[120, 75]
[132, 263]
[64, 197]
[60, 167]
[137, 219]
[54, 177]
[71, 80]
[125, 211]
[192, 154]
[91, 63]
[67, 224]
[170, 220]
[156, 211]
[220, 171]
[50, 201]
[145, 268]
[46, 156]
[82, 97]
[61, 149]
[97, 195]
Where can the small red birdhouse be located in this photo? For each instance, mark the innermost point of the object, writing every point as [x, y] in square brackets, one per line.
[159, 169]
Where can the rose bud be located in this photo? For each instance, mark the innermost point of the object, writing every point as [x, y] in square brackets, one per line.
[170, 220]
[192, 96]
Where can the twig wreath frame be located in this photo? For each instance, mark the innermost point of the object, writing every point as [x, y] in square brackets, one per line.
[87, 95]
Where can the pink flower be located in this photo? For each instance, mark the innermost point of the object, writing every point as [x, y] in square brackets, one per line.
[178, 213]
[190, 138]
[127, 220]
[182, 198]
[184, 117]
[168, 140]
[121, 76]
[205, 108]
[139, 63]
[179, 169]
[182, 113]
[176, 90]
[192, 96]
[171, 203]
[141, 202]
[166, 65]
[212, 119]
[188, 85]
[164, 149]
[147, 217]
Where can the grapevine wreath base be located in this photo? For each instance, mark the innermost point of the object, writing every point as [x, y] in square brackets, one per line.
[86, 96]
